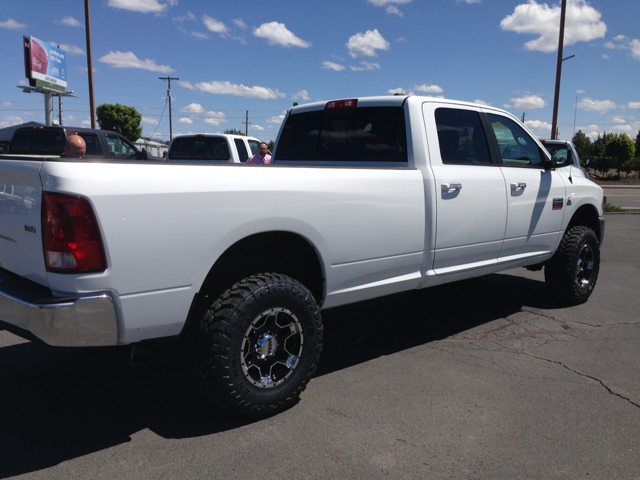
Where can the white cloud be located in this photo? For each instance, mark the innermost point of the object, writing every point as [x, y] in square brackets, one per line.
[129, 60]
[277, 33]
[481, 102]
[143, 6]
[22, 82]
[182, 18]
[528, 102]
[239, 23]
[582, 24]
[256, 127]
[538, 125]
[11, 24]
[70, 49]
[580, 91]
[635, 48]
[228, 88]
[428, 88]
[214, 25]
[367, 43]
[633, 105]
[6, 103]
[10, 121]
[201, 35]
[618, 120]
[468, 1]
[365, 66]
[70, 22]
[212, 121]
[192, 108]
[333, 66]
[278, 119]
[85, 69]
[391, 10]
[393, 91]
[622, 128]
[596, 105]
[186, 120]
[150, 121]
[301, 95]
[382, 3]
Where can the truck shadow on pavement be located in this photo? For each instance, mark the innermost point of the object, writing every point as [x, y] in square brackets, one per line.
[57, 404]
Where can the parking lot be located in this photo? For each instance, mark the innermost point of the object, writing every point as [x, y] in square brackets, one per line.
[485, 378]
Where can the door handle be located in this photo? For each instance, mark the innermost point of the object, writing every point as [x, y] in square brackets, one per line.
[447, 187]
[518, 186]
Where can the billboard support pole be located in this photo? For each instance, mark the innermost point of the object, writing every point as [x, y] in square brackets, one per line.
[89, 63]
[48, 108]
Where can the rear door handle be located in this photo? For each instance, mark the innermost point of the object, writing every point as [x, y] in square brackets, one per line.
[518, 186]
[448, 187]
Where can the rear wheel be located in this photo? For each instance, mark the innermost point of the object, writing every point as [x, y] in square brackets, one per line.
[572, 272]
[258, 345]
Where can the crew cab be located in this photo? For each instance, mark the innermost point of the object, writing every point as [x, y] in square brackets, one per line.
[50, 140]
[364, 197]
[206, 147]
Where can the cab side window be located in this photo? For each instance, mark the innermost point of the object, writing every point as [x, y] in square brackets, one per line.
[517, 148]
[255, 147]
[120, 148]
[242, 149]
[461, 137]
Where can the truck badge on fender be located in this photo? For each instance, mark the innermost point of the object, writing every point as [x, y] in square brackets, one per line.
[558, 203]
[29, 228]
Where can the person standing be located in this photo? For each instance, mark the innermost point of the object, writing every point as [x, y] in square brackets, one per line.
[262, 156]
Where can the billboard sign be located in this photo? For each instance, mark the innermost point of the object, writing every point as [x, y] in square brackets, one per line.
[45, 62]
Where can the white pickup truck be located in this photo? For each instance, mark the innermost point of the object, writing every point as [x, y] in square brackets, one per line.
[365, 197]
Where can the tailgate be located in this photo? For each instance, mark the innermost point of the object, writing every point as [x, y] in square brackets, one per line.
[20, 236]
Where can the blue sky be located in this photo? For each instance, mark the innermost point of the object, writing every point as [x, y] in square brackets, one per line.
[263, 55]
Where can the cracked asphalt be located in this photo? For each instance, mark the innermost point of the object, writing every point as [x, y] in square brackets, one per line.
[482, 379]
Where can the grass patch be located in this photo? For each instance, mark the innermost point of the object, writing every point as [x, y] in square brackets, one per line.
[607, 207]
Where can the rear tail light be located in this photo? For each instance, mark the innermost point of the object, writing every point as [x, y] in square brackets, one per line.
[71, 238]
[342, 103]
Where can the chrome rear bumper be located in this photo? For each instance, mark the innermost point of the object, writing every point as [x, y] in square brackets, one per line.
[89, 320]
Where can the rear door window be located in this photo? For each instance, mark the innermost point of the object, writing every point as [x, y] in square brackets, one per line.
[38, 142]
[242, 149]
[93, 143]
[345, 136]
[461, 137]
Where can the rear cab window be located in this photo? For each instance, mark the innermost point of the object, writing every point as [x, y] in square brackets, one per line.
[200, 148]
[361, 135]
[242, 149]
[461, 137]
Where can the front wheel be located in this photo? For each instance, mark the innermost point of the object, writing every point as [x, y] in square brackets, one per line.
[258, 345]
[572, 272]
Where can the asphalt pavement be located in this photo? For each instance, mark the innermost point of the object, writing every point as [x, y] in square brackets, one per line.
[626, 197]
[482, 379]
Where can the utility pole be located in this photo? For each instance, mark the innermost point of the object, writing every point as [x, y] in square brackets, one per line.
[168, 79]
[246, 125]
[59, 110]
[522, 117]
[87, 24]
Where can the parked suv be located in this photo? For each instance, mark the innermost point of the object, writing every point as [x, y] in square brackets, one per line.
[51, 141]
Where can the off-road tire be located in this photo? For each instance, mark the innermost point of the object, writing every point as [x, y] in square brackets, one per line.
[232, 353]
[572, 272]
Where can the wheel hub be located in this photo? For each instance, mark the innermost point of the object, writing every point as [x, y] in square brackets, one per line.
[584, 267]
[271, 348]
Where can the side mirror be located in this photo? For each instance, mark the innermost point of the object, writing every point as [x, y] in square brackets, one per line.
[590, 162]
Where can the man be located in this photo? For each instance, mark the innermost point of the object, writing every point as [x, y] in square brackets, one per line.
[263, 155]
[75, 147]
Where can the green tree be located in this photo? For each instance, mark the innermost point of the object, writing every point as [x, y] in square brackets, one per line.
[600, 143]
[583, 144]
[622, 149]
[270, 145]
[120, 118]
[637, 142]
[233, 131]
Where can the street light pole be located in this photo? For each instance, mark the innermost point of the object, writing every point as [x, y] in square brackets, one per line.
[554, 122]
[87, 24]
